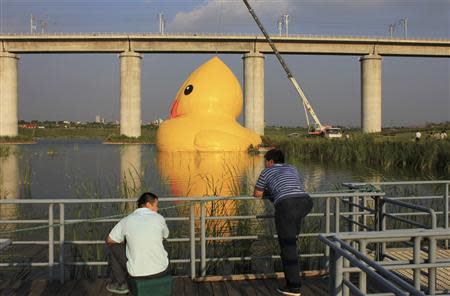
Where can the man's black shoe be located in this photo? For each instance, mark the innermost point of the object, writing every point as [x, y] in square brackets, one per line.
[290, 292]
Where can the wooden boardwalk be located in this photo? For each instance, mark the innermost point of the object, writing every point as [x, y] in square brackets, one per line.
[442, 274]
[181, 286]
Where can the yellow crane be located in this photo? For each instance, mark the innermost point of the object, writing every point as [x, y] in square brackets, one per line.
[317, 128]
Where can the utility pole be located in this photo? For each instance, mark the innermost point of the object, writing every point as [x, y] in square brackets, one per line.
[280, 24]
[162, 23]
[32, 24]
[404, 21]
[391, 30]
[286, 23]
[44, 26]
[283, 20]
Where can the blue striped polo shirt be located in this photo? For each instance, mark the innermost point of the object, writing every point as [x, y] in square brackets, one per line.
[281, 181]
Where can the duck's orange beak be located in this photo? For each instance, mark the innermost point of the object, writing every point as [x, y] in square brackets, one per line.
[174, 110]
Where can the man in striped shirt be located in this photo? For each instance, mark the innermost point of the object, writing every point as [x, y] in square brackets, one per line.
[281, 183]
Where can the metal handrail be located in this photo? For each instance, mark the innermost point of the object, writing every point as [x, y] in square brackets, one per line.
[445, 196]
[61, 221]
[431, 236]
[329, 214]
[382, 277]
[413, 207]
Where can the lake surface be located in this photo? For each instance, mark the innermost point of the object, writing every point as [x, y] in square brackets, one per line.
[88, 169]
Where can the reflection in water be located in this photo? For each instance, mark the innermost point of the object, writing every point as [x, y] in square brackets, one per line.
[9, 180]
[131, 175]
[196, 174]
[314, 179]
[130, 170]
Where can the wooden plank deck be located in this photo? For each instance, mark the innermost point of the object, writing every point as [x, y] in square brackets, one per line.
[442, 274]
[181, 286]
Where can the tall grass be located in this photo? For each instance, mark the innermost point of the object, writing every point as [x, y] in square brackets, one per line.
[430, 155]
[4, 151]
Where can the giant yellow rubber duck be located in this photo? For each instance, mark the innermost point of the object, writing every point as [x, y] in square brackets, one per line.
[203, 114]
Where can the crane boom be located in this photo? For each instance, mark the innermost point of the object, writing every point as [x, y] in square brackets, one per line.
[299, 90]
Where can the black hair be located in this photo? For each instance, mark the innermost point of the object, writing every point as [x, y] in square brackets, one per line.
[274, 154]
[145, 198]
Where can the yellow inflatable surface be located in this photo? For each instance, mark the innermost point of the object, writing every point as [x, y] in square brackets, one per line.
[203, 114]
[207, 173]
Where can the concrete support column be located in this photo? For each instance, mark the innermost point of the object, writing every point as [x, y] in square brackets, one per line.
[8, 94]
[130, 94]
[370, 93]
[254, 92]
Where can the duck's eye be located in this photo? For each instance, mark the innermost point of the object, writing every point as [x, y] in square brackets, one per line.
[188, 89]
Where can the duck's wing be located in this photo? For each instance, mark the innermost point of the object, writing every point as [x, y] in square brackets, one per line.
[215, 140]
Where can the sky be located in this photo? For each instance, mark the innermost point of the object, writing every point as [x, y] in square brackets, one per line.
[78, 87]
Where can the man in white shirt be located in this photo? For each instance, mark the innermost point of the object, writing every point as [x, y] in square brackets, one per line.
[142, 232]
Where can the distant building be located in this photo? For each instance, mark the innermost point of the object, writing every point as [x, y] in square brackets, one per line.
[99, 119]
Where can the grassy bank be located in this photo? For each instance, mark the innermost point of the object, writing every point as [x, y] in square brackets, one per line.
[20, 139]
[107, 134]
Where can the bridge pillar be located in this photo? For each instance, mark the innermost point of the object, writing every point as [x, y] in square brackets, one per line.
[254, 92]
[371, 93]
[130, 94]
[8, 94]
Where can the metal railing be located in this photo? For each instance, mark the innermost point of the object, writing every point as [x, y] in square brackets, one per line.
[441, 210]
[220, 34]
[329, 208]
[330, 219]
[424, 240]
[340, 283]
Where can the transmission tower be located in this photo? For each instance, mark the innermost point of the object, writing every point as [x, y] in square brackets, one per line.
[33, 26]
[162, 23]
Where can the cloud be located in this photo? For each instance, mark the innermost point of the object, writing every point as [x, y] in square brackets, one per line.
[217, 15]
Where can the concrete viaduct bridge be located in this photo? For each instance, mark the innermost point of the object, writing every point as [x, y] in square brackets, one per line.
[253, 48]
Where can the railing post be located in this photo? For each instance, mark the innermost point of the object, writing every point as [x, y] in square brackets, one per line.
[203, 238]
[327, 229]
[192, 234]
[380, 207]
[51, 242]
[383, 227]
[417, 260]
[432, 270]
[362, 275]
[346, 276]
[356, 201]
[350, 217]
[61, 242]
[365, 205]
[336, 266]
[337, 214]
[446, 197]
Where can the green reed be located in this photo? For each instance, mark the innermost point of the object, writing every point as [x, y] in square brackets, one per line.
[5, 151]
[374, 151]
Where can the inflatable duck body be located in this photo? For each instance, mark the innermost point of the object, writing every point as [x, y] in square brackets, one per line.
[203, 114]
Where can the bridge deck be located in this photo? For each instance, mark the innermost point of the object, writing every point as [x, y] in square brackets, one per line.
[181, 286]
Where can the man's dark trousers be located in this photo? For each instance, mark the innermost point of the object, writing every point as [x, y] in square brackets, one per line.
[118, 262]
[288, 217]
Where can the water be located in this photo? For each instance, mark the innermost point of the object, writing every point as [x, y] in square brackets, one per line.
[88, 168]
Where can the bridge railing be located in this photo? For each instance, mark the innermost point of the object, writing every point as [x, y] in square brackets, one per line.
[353, 247]
[222, 34]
